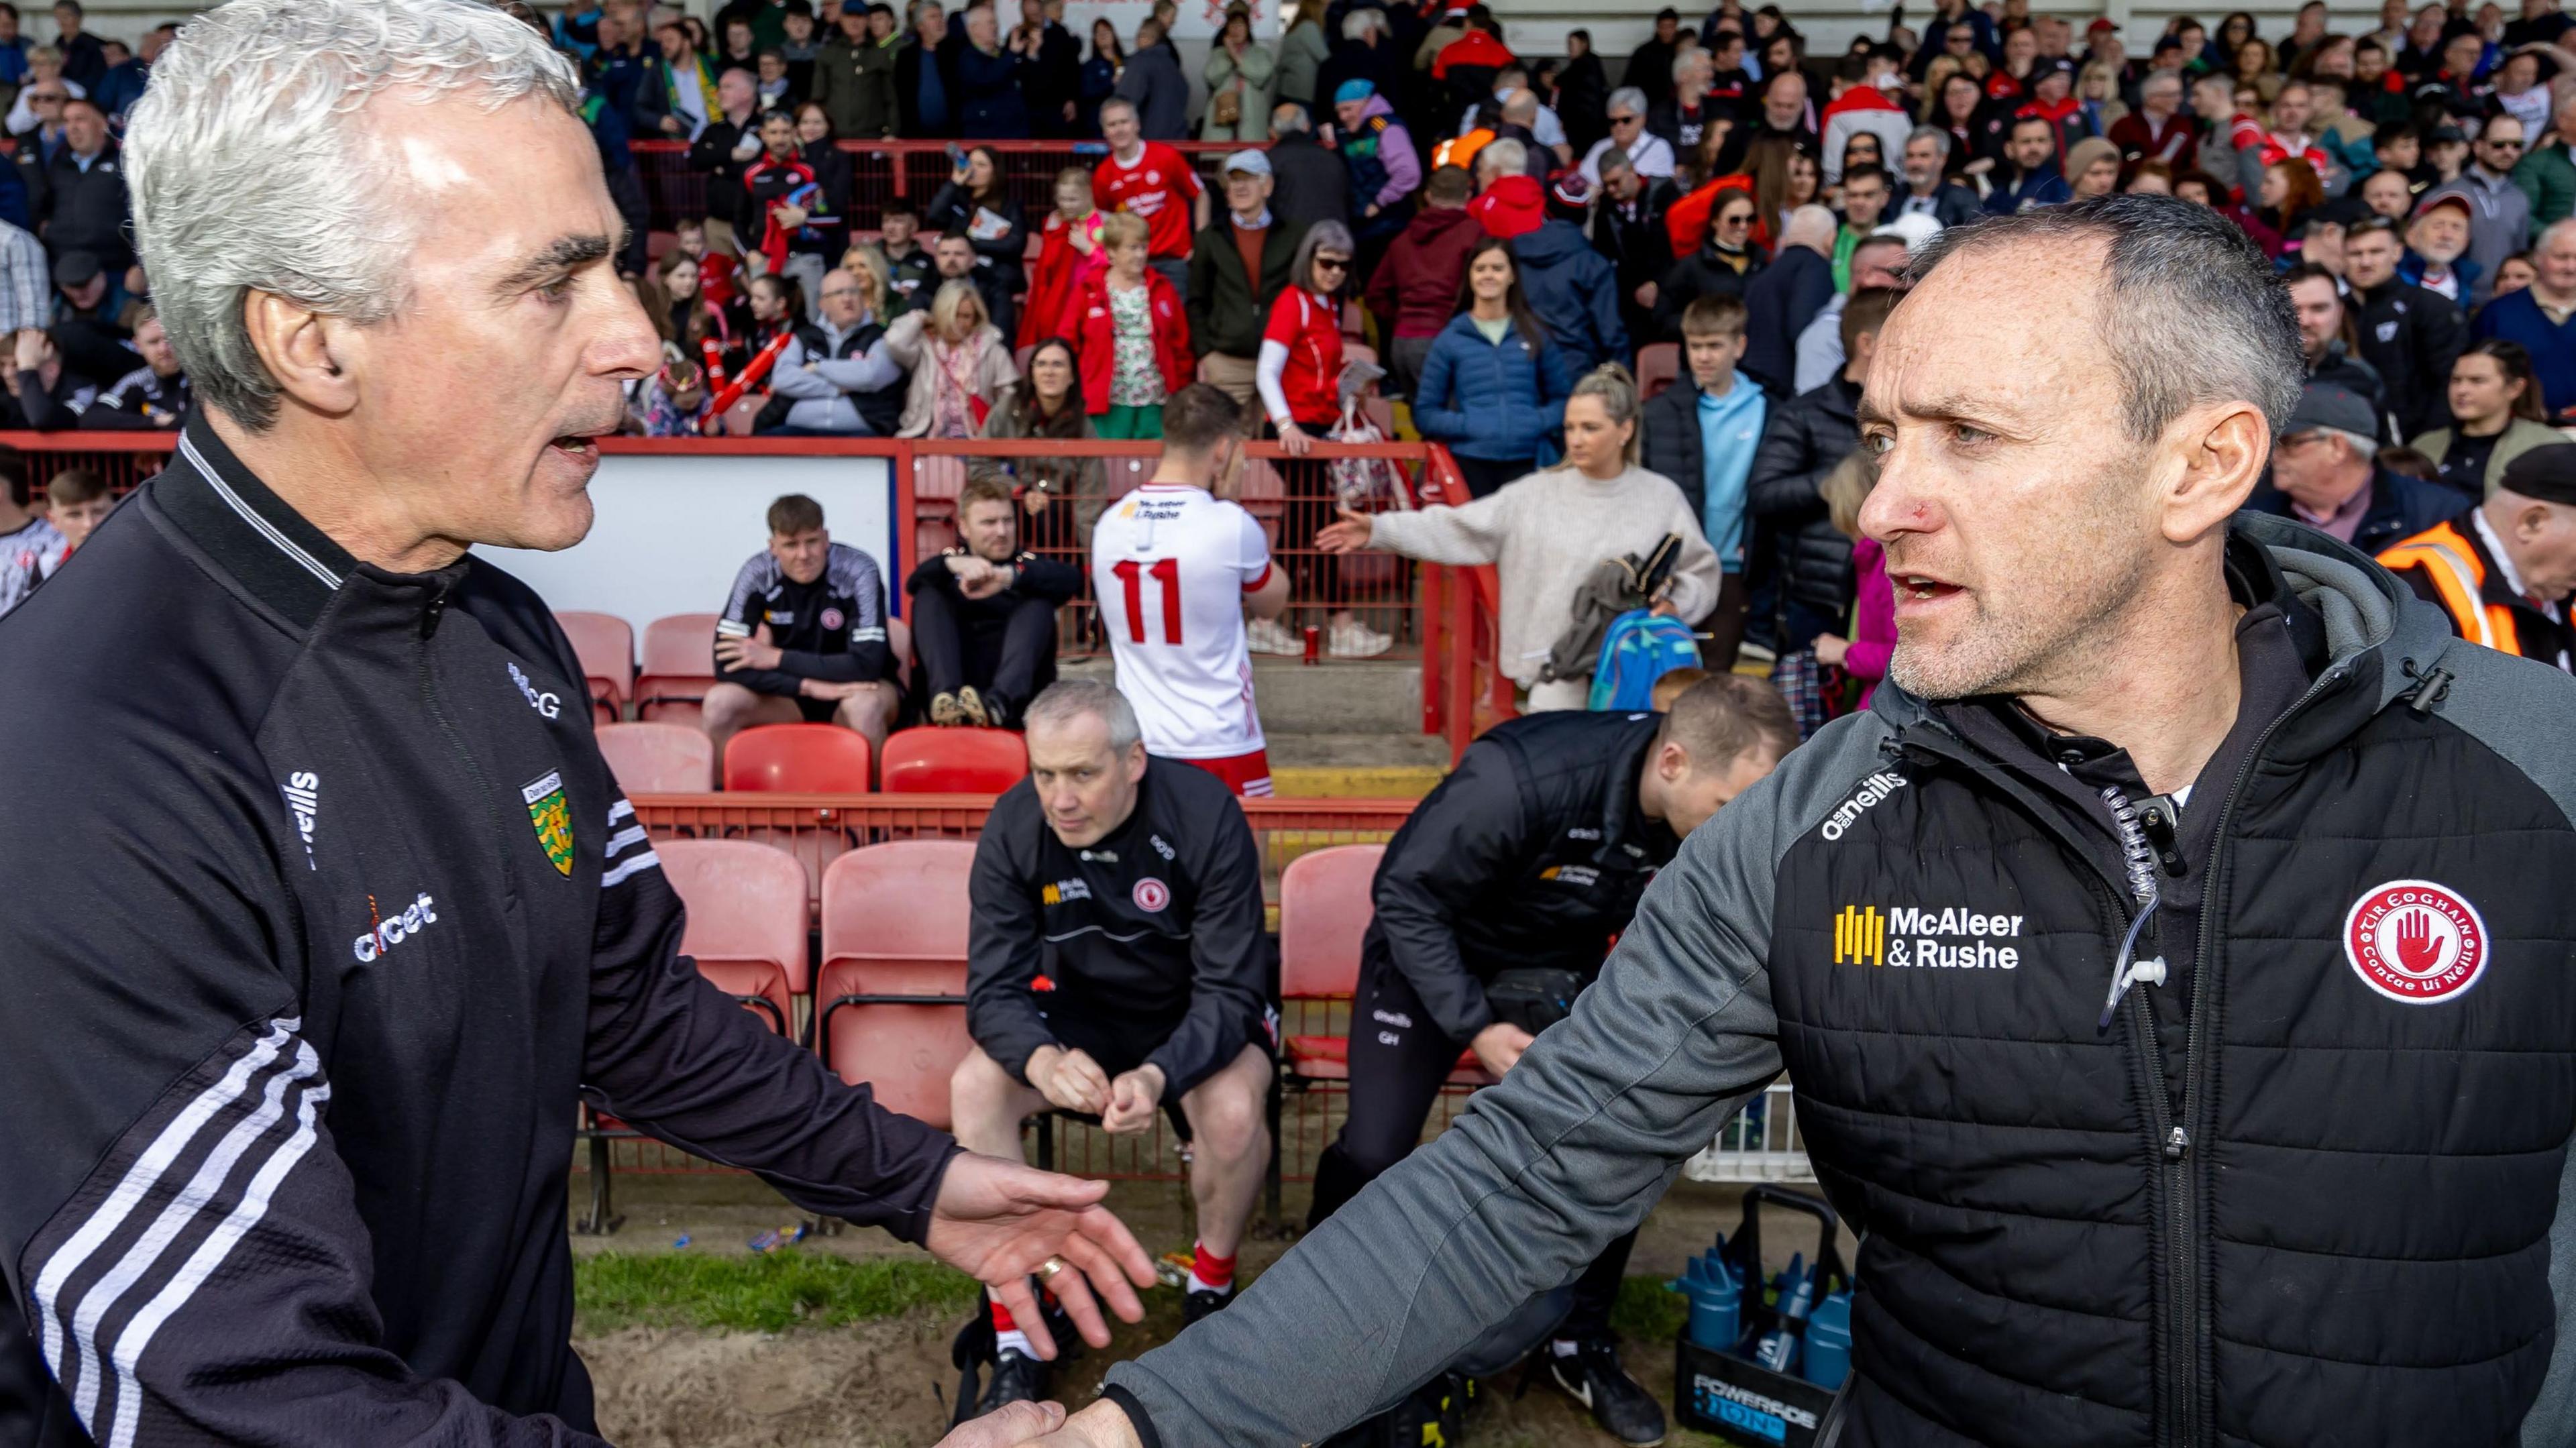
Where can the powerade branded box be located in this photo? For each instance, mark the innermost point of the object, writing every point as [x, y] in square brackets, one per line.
[1725, 1392]
[1741, 1401]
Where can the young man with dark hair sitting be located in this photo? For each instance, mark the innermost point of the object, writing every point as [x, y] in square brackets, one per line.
[983, 613]
[1507, 884]
[1116, 968]
[803, 635]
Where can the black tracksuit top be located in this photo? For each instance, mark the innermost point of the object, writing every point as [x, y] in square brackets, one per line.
[1532, 853]
[322, 911]
[1159, 921]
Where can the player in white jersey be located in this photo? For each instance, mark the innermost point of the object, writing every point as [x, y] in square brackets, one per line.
[1174, 566]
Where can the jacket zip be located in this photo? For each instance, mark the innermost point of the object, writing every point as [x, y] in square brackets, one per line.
[429, 617]
[2188, 1304]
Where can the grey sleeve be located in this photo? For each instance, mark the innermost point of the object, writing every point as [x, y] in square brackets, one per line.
[2519, 709]
[1572, 1149]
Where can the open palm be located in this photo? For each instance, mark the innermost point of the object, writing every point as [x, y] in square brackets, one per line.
[998, 1221]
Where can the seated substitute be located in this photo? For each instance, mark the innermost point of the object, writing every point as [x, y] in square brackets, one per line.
[983, 613]
[803, 635]
[1513, 875]
[1117, 964]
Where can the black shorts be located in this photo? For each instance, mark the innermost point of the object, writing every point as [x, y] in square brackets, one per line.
[816, 711]
[1121, 1040]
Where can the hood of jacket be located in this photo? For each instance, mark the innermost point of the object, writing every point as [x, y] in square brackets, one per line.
[1432, 223]
[1377, 106]
[1513, 206]
[2379, 636]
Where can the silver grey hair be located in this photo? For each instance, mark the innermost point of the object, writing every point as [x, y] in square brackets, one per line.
[1626, 98]
[1066, 700]
[2363, 448]
[2192, 311]
[1507, 157]
[1325, 235]
[1363, 23]
[253, 166]
[1939, 138]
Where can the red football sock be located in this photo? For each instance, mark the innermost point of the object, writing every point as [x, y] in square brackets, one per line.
[1209, 1268]
[1001, 1315]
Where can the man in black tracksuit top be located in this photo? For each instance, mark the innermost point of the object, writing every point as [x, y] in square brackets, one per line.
[803, 635]
[1529, 858]
[984, 611]
[311, 960]
[2232, 1113]
[1117, 964]
[340, 914]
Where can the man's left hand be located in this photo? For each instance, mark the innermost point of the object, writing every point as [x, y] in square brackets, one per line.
[994, 578]
[1007, 1426]
[1132, 1099]
[755, 652]
[998, 1221]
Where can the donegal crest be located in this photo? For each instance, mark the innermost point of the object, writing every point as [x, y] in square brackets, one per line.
[552, 818]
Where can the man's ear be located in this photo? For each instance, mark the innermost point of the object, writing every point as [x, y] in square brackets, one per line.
[304, 350]
[2223, 455]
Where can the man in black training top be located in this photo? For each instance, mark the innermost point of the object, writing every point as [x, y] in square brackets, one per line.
[1517, 872]
[983, 615]
[1118, 965]
[300, 1014]
[803, 635]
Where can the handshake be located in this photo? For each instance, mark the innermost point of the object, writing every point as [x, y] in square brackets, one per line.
[1044, 1425]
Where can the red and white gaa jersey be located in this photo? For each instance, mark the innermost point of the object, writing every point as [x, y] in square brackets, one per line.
[1170, 565]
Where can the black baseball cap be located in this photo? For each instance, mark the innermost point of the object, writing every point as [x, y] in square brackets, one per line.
[2547, 473]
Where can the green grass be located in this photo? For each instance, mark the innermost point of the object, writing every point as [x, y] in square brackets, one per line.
[769, 1293]
[1647, 1312]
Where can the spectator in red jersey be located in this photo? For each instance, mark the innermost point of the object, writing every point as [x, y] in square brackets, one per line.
[2052, 99]
[1068, 251]
[1133, 335]
[1151, 180]
[1300, 383]
[717, 272]
[1415, 290]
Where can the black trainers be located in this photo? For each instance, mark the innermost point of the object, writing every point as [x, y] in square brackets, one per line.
[1593, 1377]
[1017, 1378]
[1207, 1302]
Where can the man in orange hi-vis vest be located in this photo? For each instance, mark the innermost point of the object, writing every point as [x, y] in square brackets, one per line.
[2503, 570]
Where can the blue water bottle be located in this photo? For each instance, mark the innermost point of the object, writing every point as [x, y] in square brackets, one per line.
[1829, 1341]
[1778, 1349]
[1716, 1299]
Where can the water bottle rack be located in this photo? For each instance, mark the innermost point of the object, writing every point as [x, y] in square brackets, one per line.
[1726, 1393]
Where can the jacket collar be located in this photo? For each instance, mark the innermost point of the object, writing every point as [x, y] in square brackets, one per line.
[280, 557]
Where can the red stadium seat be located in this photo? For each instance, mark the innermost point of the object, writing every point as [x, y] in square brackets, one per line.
[606, 646]
[679, 665]
[935, 481]
[1658, 364]
[890, 998]
[746, 921]
[658, 758]
[954, 761]
[798, 759]
[745, 411]
[1324, 910]
[660, 244]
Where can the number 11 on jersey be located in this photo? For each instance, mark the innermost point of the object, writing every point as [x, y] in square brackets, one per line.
[1167, 573]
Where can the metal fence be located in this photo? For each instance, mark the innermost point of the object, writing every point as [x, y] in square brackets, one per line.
[910, 172]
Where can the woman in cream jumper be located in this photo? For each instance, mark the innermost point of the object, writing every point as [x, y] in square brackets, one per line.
[1546, 533]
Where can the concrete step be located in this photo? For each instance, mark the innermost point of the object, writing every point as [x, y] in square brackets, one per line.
[1347, 697]
[1356, 766]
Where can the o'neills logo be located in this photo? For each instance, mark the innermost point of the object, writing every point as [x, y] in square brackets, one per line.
[2415, 941]
[1873, 789]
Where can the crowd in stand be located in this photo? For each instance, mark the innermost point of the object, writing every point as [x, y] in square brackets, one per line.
[1507, 225]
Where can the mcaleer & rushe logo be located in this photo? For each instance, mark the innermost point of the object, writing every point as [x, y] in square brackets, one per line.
[1946, 938]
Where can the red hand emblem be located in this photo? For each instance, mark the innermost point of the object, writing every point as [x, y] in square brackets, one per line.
[2418, 952]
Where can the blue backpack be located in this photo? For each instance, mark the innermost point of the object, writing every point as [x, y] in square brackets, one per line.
[1638, 649]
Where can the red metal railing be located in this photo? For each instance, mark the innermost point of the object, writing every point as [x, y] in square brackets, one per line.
[1464, 689]
[123, 458]
[883, 172]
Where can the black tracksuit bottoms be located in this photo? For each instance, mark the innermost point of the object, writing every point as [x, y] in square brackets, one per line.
[1010, 662]
[1398, 1059]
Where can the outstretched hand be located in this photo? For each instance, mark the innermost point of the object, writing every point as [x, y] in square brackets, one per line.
[1007, 1426]
[1350, 535]
[998, 1221]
